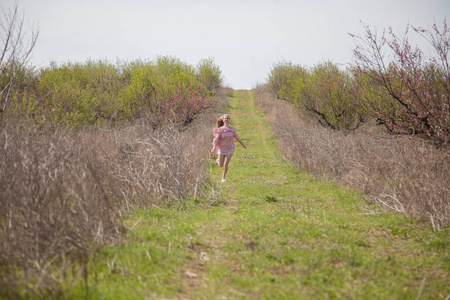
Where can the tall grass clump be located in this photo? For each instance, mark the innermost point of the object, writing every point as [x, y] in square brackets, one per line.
[405, 174]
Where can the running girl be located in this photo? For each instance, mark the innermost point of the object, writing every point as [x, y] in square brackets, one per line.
[223, 144]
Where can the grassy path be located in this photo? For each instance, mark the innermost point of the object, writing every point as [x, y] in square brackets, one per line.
[277, 234]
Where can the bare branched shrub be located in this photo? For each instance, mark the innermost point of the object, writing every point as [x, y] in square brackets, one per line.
[62, 193]
[15, 52]
[51, 205]
[148, 166]
[403, 173]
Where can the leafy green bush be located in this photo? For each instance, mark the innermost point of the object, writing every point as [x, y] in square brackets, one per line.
[167, 91]
[209, 74]
[333, 98]
[74, 93]
[288, 81]
[324, 93]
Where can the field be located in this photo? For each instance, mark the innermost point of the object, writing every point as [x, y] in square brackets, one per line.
[108, 188]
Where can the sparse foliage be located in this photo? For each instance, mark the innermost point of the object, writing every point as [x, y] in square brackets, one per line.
[408, 92]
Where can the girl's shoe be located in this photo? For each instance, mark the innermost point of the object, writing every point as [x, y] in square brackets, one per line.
[223, 180]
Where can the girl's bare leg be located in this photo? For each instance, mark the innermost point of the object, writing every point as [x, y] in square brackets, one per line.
[221, 160]
[225, 166]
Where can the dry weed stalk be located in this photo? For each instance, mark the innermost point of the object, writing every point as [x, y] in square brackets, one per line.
[405, 174]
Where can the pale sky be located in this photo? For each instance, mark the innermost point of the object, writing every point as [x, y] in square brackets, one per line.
[245, 37]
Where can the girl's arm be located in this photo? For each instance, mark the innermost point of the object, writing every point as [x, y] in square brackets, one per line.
[216, 141]
[237, 138]
[217, 138]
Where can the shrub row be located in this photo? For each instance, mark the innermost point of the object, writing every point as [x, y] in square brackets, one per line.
[405, 174]
[165, 90]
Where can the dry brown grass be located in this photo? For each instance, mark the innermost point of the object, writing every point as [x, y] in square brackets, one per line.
[62, 194]
[402, 173]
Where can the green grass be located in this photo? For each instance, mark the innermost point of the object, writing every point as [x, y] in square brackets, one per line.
[276, 234]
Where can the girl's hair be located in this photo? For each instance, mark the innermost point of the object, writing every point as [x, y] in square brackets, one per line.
[220, 122]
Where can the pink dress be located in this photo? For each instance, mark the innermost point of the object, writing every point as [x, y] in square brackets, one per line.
[224, 140]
